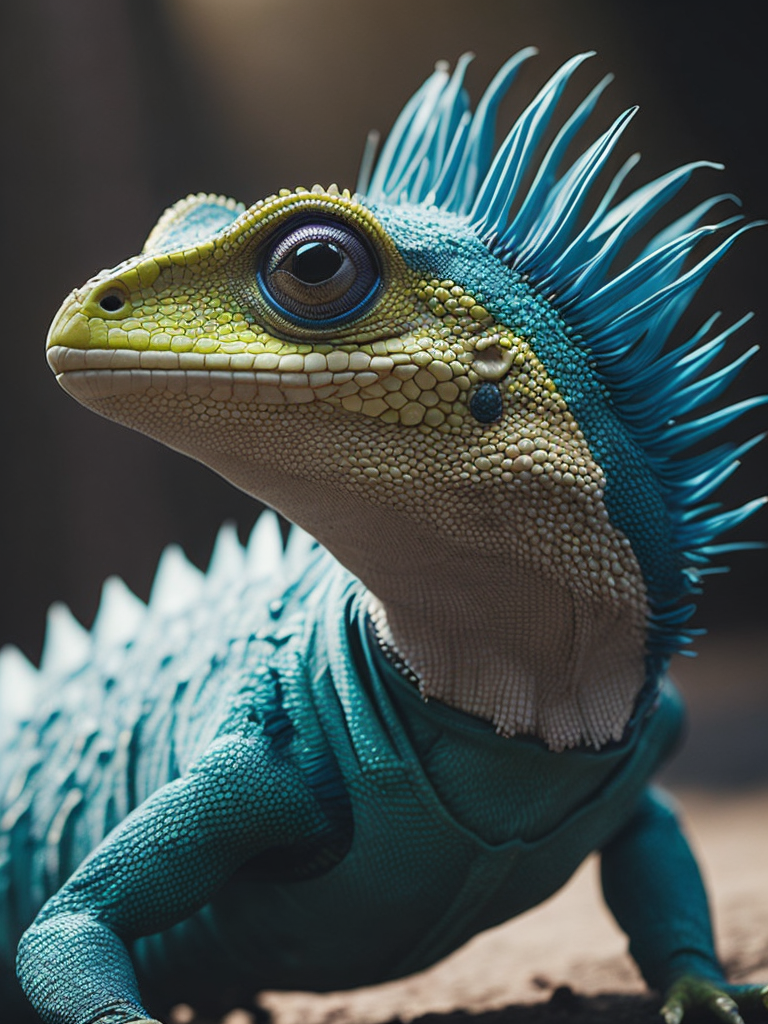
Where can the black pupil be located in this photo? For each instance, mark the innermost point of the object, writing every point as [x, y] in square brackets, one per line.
[315, 262]
[111, 303]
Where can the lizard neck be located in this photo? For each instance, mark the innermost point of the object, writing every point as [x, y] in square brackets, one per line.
[525, 612]
[514, 647]
[486, 627]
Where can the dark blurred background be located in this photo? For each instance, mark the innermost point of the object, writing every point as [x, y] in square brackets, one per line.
[114, 109]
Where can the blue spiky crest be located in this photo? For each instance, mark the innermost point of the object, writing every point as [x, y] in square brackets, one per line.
[529, 209]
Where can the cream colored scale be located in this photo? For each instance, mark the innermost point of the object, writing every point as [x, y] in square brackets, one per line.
[493, 569]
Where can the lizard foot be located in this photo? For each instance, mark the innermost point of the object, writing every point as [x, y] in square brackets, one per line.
[725, 1002]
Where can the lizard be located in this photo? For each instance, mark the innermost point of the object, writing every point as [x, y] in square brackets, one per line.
[332, 766]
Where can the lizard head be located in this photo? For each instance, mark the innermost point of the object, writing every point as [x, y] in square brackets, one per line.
[438, 391]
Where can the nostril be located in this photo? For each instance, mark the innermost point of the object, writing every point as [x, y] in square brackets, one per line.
[112, 302]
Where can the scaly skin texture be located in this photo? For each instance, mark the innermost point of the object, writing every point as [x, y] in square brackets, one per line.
[455, 403]
[373, 435]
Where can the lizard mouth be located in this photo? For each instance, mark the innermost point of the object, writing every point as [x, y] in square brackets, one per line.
[97, 374]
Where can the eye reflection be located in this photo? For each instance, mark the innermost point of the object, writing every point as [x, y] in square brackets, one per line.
[316, 261]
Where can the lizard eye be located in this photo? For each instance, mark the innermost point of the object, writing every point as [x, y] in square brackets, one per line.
[319, 272]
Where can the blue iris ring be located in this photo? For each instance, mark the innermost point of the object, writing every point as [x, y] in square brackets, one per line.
[319, 323]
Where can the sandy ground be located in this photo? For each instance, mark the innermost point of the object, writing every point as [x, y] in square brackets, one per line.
[566, 961]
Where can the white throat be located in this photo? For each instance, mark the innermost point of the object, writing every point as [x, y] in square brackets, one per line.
[538, 661]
